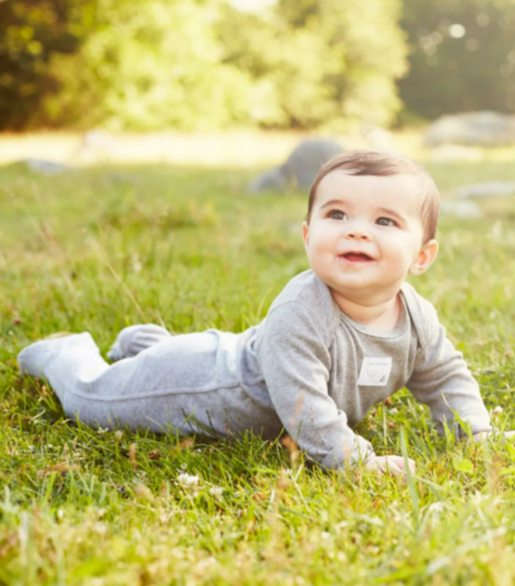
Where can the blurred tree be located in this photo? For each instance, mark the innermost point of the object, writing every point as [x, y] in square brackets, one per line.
[31, 32]
[318, 62]
[198, 64]
[462, 56]
[151, 64]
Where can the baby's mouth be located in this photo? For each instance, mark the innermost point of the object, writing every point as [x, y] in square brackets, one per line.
[357, 257]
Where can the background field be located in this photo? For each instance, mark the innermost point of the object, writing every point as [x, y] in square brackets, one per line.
[100, 248]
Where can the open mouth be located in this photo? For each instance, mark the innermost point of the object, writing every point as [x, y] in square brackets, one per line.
[357, 257]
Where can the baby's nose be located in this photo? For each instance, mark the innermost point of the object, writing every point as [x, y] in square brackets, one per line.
[357, 233]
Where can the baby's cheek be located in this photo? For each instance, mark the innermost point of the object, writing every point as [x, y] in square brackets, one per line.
[324, 242]
[316, 260]
[320, 256]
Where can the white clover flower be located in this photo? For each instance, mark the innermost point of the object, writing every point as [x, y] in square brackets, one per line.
[216, 491]
[188, 480]
[497, 411]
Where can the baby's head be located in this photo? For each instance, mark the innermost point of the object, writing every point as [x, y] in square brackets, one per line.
[383, 164]
[372, 218]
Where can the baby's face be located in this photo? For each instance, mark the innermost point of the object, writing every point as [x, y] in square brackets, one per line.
[365, 234]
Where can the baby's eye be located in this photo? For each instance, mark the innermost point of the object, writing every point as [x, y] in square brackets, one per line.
[386, 222]
[337, 215]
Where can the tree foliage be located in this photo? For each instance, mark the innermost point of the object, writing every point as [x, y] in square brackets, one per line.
[151, 64]
[316, 62]
[31, 33]
[201, 64]
[462, 56]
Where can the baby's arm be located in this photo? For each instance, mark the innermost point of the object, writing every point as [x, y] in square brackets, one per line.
[295, 362]
[442, 380]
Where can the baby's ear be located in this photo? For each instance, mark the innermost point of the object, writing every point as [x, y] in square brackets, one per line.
[425, 258]
[305, 234]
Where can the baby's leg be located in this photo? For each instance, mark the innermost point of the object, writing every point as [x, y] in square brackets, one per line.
[180, 383]
[134, 339]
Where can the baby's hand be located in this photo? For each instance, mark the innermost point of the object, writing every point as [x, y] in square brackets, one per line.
[390, 465]
[134, 339]
[481, 435]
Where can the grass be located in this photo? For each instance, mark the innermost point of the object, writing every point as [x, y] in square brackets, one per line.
[102, 248]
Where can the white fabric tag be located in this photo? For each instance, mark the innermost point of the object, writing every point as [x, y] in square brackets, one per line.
[375, 371]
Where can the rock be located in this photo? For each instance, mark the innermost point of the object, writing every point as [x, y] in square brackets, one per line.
[305, 161]
[461, 209]
[453, 152]
[273, 180]
[487, 189]
[300, 169]
[472, 129]
[44, 167]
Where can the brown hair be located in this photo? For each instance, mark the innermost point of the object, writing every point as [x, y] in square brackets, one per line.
[382, 164]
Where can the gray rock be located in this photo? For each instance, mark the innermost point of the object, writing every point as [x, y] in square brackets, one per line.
[461, 209]
[472, 129]
[487, 189]
[305, 161]
[273, 180]
[454, 152]
[300, 169]
[44, 167]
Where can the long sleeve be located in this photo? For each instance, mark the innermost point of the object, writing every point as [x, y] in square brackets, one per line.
[295, 361]
[442, 380]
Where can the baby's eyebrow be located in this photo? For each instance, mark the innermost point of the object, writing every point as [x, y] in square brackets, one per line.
[333, 202]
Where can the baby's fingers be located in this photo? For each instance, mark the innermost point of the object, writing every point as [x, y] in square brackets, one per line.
[387, 465]
[400, 463]
[394, 470]
[394, 465]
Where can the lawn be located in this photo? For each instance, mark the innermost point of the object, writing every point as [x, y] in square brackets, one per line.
[98, 249]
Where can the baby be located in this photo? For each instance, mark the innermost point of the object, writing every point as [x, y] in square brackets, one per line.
[339, 338]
